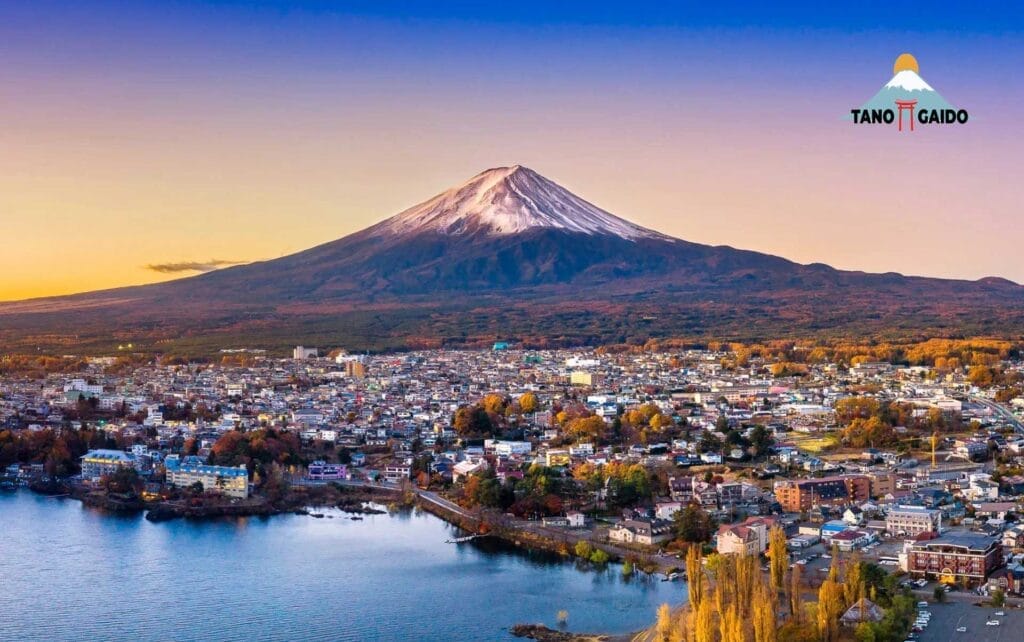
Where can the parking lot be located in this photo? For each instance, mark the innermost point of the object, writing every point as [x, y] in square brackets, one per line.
[946, 618]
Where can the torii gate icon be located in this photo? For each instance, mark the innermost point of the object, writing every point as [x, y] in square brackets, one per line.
[909, 105]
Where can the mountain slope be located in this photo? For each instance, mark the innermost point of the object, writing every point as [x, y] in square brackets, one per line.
[907, 85]
[508, 253]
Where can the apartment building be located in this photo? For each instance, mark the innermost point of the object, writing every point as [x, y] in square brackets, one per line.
[913, 520]
[803, 494]
[956, 558]
[100, 462]
[227, 480]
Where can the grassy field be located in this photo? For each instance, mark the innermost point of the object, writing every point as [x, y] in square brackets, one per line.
[814, 443]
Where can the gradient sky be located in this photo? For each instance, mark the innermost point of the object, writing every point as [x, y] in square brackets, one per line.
[136, 133]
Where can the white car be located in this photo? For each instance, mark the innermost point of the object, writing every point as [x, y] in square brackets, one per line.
[992, 623]
[961, 629]
[1000, 613]
[922, 605]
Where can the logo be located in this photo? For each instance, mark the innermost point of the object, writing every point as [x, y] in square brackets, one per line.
[907, 100]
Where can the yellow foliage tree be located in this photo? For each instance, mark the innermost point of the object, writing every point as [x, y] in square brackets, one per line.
[664, 622]
[778, 556]
[829, 610]
[694, 576]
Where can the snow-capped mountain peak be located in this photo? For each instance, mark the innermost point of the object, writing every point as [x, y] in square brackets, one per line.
[510, 200]
[908, 80]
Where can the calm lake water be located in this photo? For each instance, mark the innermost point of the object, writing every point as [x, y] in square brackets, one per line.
[72, 573]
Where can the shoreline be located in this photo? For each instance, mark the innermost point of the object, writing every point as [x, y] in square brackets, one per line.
[300, 500]
[350, 499]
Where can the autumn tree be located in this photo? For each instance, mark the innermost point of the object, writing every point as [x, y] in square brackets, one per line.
[795, 609]
[778, 556]
[664, 626]
[472, 422]
[829, 609]
[764, 615]
[695, 576]
[853, 583]
[528, 403]
[704, 629]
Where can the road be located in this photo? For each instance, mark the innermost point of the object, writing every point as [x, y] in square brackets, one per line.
[1001, 411]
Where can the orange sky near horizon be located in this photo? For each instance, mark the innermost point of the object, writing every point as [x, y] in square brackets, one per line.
[109, 167]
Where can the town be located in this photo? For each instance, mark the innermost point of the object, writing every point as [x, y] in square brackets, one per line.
[913, 463]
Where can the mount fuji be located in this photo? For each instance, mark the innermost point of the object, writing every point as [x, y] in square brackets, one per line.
[512, 254]
[907, 85]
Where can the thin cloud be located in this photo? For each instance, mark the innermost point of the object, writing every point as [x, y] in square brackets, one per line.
[191, 266]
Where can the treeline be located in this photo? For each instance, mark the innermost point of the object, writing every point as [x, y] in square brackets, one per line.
[37, 366]
[941, 353]
[258, 450]
[539, 493]
[867, 421]
[59, 452]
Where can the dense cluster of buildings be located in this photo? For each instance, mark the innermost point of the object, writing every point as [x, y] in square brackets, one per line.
[392, 417]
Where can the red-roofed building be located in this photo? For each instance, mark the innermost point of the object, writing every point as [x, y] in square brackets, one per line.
[749, 537]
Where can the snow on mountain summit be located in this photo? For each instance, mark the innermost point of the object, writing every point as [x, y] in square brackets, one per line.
[510, 200]
[908, 80]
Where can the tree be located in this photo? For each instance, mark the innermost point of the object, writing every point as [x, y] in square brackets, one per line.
[865, 632]
[664, 622]
[590, 428]
[583, 549]
[829, 610]
[778, 556]
[528, 403]
[693, 524]
[761, 440]
[694, 575]
[998, 597]
[765, 623]
[940, 594]
[853, 583]
[795, 609]
[599, 557]
[472, 422]
[704, 631]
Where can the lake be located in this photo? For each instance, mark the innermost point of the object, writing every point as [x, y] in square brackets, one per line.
[68, 572]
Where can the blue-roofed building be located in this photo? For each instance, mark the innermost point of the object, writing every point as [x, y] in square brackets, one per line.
[227, 480]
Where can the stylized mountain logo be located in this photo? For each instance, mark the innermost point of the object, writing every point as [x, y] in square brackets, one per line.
[908, 98]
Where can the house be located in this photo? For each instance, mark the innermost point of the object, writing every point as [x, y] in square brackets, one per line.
[681, 488]
[863, 611]
[397, 472]
[464, 469]
[557, 457]
[853, 516]
[994, 509]
[641, 531]
[749, 537]
[850, 539]
[832, 528]
[665, 510]
[323, 470]
[575, 519]
[1013, 538]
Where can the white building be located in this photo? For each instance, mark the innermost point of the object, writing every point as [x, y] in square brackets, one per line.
[305, 353]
